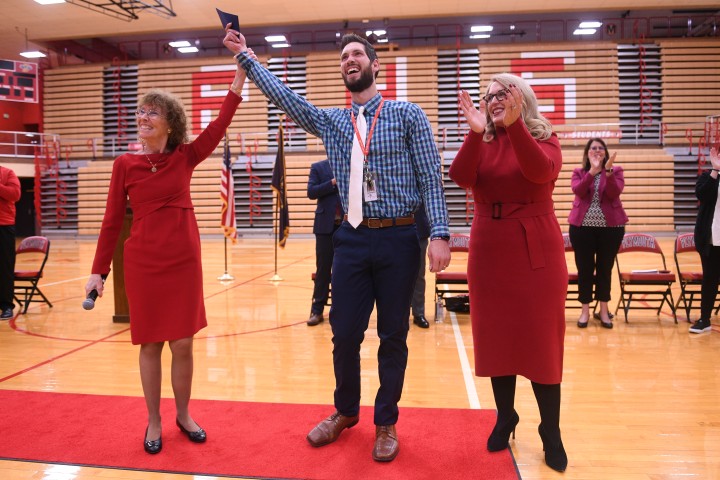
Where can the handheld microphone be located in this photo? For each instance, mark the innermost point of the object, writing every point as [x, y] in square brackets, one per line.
[89, 302]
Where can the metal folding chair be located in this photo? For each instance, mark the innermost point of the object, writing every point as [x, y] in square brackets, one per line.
[651, 283]
[31, 255]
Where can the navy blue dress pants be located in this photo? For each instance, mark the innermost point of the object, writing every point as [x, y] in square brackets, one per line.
[372, 267]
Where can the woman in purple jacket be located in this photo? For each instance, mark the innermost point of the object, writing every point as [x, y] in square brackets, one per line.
[597, 226]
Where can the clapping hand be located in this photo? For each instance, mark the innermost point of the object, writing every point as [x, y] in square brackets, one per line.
[714, 158]
[476, 119]
[513, 106]
[611, 160]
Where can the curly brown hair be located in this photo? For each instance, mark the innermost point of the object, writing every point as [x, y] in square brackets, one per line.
[174, 112]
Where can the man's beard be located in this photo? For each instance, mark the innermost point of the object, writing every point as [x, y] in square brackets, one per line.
[366, 79]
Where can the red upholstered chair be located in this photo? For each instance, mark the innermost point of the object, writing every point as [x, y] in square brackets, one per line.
[31, 256]
[452, 282]
[644, 275]
[689, 268]
[573, 292]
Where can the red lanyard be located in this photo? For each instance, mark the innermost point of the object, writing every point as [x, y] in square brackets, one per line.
[365, 147]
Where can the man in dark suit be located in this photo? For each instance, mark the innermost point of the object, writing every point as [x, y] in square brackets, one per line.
[418, 299]
[328, 217]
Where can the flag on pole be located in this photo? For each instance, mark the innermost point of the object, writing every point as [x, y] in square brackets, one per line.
[227, 195]
[280, 186]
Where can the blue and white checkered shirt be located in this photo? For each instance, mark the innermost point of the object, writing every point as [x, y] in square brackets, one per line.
[403, 153]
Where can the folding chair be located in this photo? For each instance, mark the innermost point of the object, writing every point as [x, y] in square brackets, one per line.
[31, 256]
[689, 268]
[652, 282]
[452, 282]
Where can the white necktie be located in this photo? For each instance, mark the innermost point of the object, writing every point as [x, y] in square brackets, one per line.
[715, 227]
[356, 172]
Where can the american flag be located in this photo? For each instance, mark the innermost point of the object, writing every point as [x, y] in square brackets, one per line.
[227, 222]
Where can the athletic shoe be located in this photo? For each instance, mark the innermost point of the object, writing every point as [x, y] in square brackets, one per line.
[701, 326]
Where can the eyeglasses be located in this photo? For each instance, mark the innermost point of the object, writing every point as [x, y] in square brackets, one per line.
[500, 96]
[151, 114]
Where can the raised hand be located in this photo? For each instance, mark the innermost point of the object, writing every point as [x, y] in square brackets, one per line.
[611, 160]
[234, 40]
[714, 158]
[476, 119]
[513, 106]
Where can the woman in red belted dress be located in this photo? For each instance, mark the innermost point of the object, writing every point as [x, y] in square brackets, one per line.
[517, 275]
[163, 265]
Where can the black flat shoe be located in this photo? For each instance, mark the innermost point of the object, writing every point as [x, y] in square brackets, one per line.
[198, 436]
[608, 325]
[596, 315]
[152, 446]
[555, 456]
[500, 436]
[582, 325]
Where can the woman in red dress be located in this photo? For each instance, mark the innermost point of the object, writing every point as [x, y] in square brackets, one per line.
[517, 275]
[163, 266]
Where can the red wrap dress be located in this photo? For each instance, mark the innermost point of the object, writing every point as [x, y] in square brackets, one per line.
[517, 275]
[162, 260]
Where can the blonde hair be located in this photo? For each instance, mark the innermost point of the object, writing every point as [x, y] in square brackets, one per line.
[174, 113]
[538, 125]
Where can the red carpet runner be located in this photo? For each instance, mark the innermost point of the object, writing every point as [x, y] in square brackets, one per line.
[262, 440]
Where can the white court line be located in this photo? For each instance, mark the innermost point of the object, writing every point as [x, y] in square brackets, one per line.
[65, 281]
[465, 364]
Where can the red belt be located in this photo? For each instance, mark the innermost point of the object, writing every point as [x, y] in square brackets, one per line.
[386, 222]
[499, 210]
[525, 213]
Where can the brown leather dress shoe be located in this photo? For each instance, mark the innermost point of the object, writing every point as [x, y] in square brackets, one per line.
[386, 443]
[315, 318]
[329, 429]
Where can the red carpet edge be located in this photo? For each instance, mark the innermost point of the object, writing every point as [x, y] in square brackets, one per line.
[246, 439]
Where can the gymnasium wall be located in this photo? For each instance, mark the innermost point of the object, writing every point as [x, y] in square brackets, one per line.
[643, 99]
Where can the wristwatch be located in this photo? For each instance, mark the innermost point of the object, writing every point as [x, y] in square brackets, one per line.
[440, 237]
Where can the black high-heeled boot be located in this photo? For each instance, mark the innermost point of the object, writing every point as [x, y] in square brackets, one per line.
[504, 393]
[555, 456]
[548, 398]
[499, 439]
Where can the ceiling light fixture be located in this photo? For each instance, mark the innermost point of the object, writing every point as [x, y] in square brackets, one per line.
[481, 28]
[275, 38]
[591, 24]
[179, 44]
[33, 54]
[480, 35]
[188, 49]
[280, 45]
[30, 53]
[49, 2]
[584, 31]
